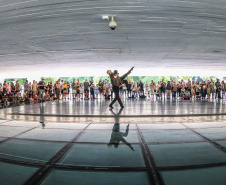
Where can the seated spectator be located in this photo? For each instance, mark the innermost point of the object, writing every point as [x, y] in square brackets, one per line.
[107, 94]
[35, 98]
[182, 94]
[187, 95]
[86, 95]
[47, 97]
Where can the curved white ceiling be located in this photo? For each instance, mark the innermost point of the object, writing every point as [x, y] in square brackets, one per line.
[60, 37]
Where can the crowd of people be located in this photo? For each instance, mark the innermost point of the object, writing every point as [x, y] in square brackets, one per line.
[62, 90]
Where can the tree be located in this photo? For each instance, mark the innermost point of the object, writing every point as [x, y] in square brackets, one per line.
[21, 80]
[9, 80]
[50, 79]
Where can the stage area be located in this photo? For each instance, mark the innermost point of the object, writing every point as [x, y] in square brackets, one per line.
[133, 108]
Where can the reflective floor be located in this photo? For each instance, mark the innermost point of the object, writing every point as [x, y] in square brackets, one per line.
[113, 150]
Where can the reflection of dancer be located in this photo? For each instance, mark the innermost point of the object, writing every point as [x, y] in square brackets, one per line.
[42, 118]
[116, 135]
[116, 83]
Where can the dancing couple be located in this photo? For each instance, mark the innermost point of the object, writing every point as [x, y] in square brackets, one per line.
[116, 84]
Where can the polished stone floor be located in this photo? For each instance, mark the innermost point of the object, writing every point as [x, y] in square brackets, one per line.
[135, 108]
[177, 149]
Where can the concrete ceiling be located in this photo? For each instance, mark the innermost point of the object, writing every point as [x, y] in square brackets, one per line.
[65, 36]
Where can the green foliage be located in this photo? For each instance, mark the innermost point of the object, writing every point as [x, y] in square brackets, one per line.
[21, 80]
[81, 79]
[9, 80]
[175, 78]
[102, 78]
[185, 78]
[156, 79]
[213, 77]
[50, 79]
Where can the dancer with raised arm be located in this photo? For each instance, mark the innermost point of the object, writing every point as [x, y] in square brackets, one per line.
[116, 83]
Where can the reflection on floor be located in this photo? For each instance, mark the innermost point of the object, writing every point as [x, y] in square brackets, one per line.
[119, 153]
[39, 147]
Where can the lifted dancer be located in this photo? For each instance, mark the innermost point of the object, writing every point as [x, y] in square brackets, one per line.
[116, 83]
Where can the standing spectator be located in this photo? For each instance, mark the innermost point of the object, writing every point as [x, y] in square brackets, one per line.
[74, 91]
[57, 90]
[134, 88]
[189, 86]
[8, 88]
[13, 88]
[141, 88]
[96, 91]
[68, 89]
[50, 88]
[81, 90]
[101, 88]
[124, 89]
[29, 89]
[212, 90]
[92, 90]
[178, 89]
[111, 90]
[4, 89]
[152, 89]
[138, 89]
[65, 91]
[204, 90]
[34, 87]
[168, 88]
[108, 85]
[41, 87]
[77, 88]
[193, 89]
[197, 89]
[86, 86]
[208, 90]
[105, 85]
[163, 88]
[223, 87]
[218, 88]
[62, 88]
[129, 88]
[174, 94]
[146, 88]
[17, 86]
[26, 86]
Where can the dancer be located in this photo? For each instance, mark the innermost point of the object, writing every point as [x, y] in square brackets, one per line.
[116, 83]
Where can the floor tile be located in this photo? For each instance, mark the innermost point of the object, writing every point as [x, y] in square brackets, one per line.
[222, 143]
[157, 136]
[50, 134]
[104, 136]
[205, 176]
[161, 126]
[59, 177]
[7, 131]
[29, 151]
[22, 124]
[213, 133]
[15, 174]
[78, 126]
[110, 126]
[104, 155]
[205, 124]
[186, 154]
